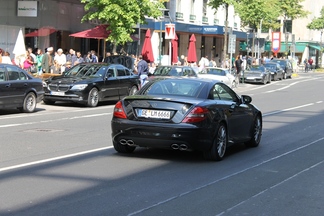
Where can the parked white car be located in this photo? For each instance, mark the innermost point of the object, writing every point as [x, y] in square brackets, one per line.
[221, 74]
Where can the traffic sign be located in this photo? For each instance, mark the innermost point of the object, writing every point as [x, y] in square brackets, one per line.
[169, 31]
[231, 43]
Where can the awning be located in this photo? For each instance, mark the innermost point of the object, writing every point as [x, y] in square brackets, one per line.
[315, 47]
[299, 47]
[42, 32]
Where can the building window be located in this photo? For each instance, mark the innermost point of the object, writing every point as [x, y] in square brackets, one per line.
[216, 21]
[287, 27]
[205, 7]
[235, 26]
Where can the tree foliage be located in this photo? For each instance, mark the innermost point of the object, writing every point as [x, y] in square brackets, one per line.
[292, 9]
[121, 15]
[317, 23]
[253, 12]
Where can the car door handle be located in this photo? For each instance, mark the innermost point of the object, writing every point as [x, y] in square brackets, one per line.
[25, 84]
[8, 85]
[232, 107]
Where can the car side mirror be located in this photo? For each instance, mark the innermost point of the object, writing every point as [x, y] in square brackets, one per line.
[246, 99]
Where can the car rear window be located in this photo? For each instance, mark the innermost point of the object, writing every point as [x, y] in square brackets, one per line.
[175, 87]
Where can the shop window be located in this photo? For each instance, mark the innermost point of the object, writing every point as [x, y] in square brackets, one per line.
[287, 27]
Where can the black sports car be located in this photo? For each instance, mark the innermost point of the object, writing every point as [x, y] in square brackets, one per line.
[18, 89]
[185, 114]
[90, 83]
[275, 70]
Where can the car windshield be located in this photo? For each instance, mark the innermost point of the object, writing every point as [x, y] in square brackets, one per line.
[282, 63]
[257, 68]
[187, 88]
[216, 71]
[270, 66]
[87, 70]
[168, 71]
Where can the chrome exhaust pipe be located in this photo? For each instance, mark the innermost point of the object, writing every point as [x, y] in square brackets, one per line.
[130, 143]
[183, 147]
[123, 142]
[175, 146]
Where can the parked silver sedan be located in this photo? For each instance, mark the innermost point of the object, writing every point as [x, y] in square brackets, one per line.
[221, 74]
[256, 74]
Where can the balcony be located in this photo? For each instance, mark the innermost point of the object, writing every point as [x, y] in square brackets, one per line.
[205, 19]
[192, 18]
[179, 16]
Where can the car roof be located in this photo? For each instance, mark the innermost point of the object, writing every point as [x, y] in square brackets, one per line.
[192, 79]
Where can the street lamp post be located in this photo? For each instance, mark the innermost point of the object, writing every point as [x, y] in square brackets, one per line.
[161, 39]
[259, 35]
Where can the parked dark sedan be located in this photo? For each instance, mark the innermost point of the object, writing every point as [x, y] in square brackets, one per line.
[90, 83]
[256, 74]
[18, 89]
[286, 65]
[175, 70]
[185, 114]
[275, 70]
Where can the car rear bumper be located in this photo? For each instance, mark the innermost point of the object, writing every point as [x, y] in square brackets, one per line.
[161, 135]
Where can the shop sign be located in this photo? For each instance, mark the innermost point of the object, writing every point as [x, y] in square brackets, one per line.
[27, 9]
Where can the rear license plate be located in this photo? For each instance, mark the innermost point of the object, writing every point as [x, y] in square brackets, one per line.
[158, 114]
[57, 93]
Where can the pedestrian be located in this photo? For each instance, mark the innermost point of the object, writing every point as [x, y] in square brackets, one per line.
[94, 58]
[79, 58]
[6, 58]
[107, 58]
[238, 65]
[310, 62]
[142, 70]
[39, 59]
[60, 60]
[71, 57]
[47, 60]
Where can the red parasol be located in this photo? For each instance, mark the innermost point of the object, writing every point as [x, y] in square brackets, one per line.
[175, 49]
[192, 55]
[98, 32]
[42, 32]
[147, 51]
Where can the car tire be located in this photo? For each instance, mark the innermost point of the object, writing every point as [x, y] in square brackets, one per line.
[29, 104]
[265, 80]
[123, 148]
[218, 149]
[93, 98]
[269, 80]
[256, 132]
[284, 75]
[133, 90]
[275, 77]
[49, 102]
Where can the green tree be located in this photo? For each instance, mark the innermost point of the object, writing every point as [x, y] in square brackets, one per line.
[121, 15]
[291, 9]
[257, 12]
[215, 4]
[317, 23]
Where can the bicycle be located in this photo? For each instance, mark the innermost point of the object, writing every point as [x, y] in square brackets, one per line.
[306, 67]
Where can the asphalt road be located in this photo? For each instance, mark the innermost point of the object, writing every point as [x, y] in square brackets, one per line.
[60, 161]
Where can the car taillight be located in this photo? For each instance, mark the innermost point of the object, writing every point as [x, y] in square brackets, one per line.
[198, 114]
[119, 111]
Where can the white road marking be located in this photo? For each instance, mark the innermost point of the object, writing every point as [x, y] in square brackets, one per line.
[232, 175]
[288, 109]
[54, 120]
[53, 159]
